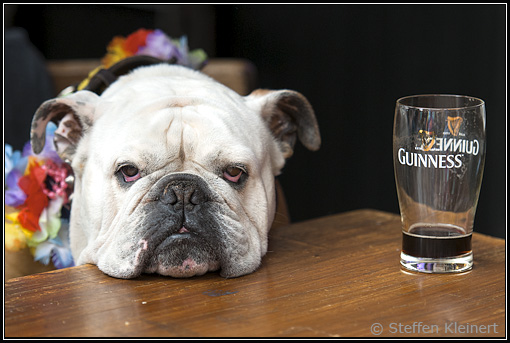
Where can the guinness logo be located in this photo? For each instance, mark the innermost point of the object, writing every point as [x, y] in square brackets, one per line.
[428, 138]
[454, 125]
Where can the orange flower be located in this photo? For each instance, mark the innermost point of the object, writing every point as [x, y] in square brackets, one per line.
[115, 52]
[32, 184]
[136, 40]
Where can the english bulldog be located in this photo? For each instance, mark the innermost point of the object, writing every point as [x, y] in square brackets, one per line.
[174, 172]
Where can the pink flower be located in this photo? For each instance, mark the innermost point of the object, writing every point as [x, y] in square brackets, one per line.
[55, 183]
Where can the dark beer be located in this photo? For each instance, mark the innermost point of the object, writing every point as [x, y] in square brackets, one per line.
[436, 242]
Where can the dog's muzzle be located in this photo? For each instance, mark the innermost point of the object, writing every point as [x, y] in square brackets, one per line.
[182, 226]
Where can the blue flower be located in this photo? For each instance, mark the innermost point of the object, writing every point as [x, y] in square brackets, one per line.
[58, 249]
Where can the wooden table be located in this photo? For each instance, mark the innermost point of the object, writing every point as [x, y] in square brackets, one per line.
[337, 276]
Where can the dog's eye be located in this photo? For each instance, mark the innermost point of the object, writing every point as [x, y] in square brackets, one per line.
[130, 173]
[233, 174]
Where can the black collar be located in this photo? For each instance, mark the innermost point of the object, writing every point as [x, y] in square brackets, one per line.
[105, 77]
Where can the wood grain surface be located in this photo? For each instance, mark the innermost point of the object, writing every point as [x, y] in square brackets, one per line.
[336, 276]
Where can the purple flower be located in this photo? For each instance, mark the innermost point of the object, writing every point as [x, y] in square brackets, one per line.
[14, 196]
[159, 45]
[15, 165]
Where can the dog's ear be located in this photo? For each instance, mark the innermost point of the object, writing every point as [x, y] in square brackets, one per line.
[73, 114]
[288, 115]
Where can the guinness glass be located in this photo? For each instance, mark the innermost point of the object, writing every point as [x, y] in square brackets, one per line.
[438, 156]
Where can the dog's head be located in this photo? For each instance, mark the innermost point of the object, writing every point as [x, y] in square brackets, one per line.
[174, 172]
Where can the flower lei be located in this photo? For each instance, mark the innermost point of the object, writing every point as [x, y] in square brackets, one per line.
[38, 188]
[153, 43]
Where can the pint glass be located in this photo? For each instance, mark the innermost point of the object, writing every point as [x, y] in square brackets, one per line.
[438, 157]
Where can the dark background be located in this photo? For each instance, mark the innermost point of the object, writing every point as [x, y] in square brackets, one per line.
[352, 62]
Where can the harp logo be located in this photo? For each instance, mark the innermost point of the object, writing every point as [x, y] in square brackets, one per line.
[454, 125]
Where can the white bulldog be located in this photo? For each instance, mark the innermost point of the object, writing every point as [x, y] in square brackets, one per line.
[174, 172]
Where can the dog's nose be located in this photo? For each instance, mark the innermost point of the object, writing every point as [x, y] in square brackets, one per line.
[183, 194]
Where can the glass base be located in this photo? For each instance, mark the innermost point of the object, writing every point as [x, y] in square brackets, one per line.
[456, 264]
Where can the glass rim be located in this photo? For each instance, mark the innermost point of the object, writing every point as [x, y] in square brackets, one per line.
[479, 101]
